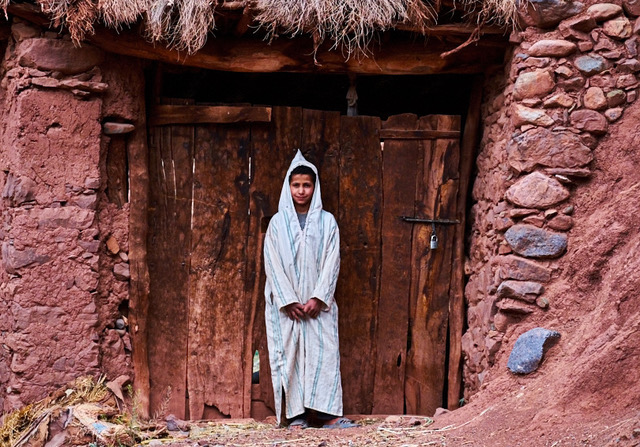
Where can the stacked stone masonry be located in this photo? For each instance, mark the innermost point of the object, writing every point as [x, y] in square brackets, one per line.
[573, 70]
[63, 291]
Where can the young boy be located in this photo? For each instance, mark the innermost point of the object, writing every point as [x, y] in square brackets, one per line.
[302, 261]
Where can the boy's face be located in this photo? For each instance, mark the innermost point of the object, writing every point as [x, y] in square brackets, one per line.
[302, 188]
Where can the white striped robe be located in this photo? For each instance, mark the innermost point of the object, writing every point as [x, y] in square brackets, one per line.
[300, 265]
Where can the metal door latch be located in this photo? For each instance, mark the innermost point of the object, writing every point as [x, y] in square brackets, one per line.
[433, 243]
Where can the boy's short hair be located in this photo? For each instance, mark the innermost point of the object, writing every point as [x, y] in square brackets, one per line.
[305, 170]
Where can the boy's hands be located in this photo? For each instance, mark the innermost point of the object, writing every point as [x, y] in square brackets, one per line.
[297, 311]
[313, 307]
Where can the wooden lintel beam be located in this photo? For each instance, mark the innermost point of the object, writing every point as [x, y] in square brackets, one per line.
[449, 29]
[248, 54]
[251, 55]
[398, 134]
[162, 115]
[29, 12]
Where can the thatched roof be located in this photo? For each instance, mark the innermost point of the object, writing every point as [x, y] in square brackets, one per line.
[349, 24]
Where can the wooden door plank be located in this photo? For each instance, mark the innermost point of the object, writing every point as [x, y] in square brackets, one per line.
[169, 240]
[321, 146]
[359, 218]
[456, 304]
[408, 134]
[138, 158]
[273, 148]
[426, 367]
[218, 261]
[400, 163]
[162, 115]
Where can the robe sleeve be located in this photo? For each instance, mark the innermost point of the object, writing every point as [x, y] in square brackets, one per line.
[281, 288]
[326, 285]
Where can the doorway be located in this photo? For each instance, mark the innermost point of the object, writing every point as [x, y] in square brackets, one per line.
[213, 187]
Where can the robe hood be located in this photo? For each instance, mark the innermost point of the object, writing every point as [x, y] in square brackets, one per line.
[286, 205]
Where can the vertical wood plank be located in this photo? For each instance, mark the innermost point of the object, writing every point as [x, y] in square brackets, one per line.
[424, 386]
[359, 218]
[470, 138]
[169, 256]
[400, 163]
[138, 156]
[273, 148]
[321, 146]
[219, 222]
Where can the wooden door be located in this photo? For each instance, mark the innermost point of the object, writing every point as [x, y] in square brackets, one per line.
[215, 182]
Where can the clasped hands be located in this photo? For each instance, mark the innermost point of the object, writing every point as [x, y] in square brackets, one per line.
[297, 311]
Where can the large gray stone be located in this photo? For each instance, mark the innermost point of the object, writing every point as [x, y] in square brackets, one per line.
[521, 290]
[533, 242]
[591, 64]
[529, 349]
[58, 55]
[536, 190]
[542, 147]
[548, 13]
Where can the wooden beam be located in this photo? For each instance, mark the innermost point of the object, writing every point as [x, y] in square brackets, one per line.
[139, 285]
[296, 55]
[401, 134]
[29, 12]
[401, 55]
[162, 115]
[450, 29]
[470, 140]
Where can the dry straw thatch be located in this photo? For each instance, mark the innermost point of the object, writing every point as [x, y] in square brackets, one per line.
[186, 24]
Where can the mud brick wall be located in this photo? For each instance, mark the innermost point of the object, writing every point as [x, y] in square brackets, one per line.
[64, 274]
[570, 76]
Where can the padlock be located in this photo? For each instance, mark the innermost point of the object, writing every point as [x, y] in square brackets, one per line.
[434, 242]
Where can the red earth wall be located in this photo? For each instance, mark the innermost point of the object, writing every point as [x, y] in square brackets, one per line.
[63, 293]
[553, 242]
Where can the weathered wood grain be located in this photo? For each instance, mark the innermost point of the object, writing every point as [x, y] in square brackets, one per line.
[400, 164]
[321, 146]
[426, 360]
[273, 148]
[411, 134]
[169, 256]
[138, 158]
[165, 114]
[217, 306]
[357, 294]
[408, 56]
[469, 141]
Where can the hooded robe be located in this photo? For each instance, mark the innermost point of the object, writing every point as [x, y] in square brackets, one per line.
[301, 264]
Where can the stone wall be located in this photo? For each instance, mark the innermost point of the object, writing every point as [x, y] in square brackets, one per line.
[63, 289]
[572, 72]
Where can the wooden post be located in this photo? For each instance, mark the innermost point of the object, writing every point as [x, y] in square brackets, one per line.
[139, 292]
[456, 303]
